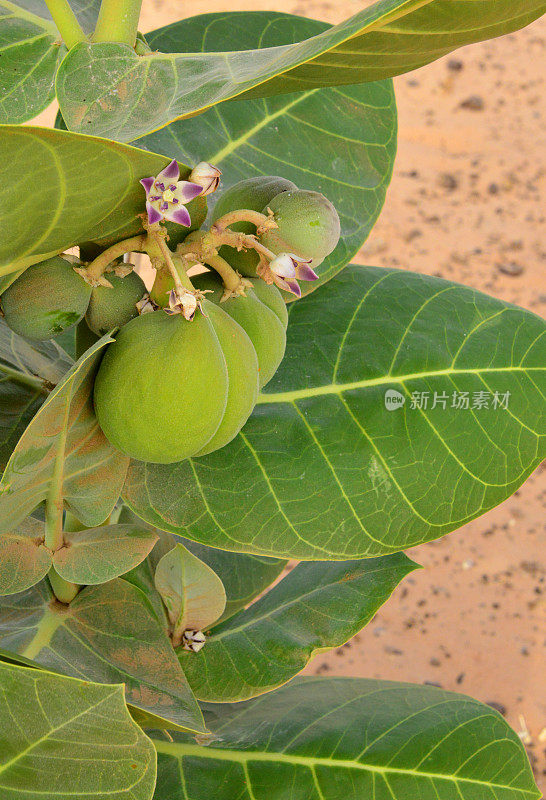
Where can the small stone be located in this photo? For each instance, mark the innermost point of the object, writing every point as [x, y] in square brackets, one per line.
[455, 65]
[447, 181]
[493, 188]
[473, 103]
[511, 268]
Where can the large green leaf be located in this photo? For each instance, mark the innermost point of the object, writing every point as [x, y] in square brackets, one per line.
[59, 189]
[24, 560]
[316, 607]
[326, 739]
[323, 470]
[65, 429]
[108, 634]
[30, 52]
[106, 89]
[27, 373]
[61, 738]
[340, 142]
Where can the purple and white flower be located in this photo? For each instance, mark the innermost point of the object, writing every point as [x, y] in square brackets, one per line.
[287, 269]
[207, 176]
[166, 196]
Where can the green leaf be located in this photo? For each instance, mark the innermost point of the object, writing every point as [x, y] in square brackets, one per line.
[192, 592]
[108, 634]
[61, 737]
[78, 190]
[86, 11]
[326, 739]
[27, 373]
[244, 576]
[105, 89]
[340, 142]
[30, 53]
[96, 555]
[316, 607]
[65, 428]
[24, 560]
[323, 470]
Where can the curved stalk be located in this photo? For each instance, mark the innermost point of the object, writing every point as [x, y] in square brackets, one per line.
[64, 591]
[242, 215]
[97, 267]
[66, 21]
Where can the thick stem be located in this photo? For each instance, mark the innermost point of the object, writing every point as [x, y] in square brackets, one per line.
[248, 241]
[97, 267]
[66, 21]
[64, 591]
[242, 215]
[118, 21]
[156, 241]
[230, 278]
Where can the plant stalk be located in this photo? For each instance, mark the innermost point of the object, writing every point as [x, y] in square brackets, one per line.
[243, 215]
[66, 21]
[97, 267]
[30, 381]
[64, 591]
[118, 21]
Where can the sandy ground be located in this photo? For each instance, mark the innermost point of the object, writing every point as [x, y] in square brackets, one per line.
[467, 202]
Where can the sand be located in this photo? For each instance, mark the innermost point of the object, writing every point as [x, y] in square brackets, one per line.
[467, 202]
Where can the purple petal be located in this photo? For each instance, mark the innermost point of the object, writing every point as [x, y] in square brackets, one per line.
[179, 215]
[153, 215]
[170, 173]
[186, 191]
[293, 287]
[147, 183]
[305, 273]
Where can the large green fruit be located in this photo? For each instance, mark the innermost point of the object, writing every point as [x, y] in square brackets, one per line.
[111, 308]
[308, 225]
[267, 333]
[272, 298]
[162, 389]
[46, 299]
[242, 367]
[252, 193]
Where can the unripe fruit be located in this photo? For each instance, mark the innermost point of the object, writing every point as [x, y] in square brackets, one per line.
[162, 389]
[111, 308]
[263, 326]
[252, 193]
[308, 225]
[46, 299]
[270, 296]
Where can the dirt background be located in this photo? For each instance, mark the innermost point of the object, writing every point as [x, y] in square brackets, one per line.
[467, 202]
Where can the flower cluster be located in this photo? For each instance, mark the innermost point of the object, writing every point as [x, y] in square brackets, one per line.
[166, 195]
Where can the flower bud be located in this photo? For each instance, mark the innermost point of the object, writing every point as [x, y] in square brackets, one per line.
[206, 176]
[287, 269]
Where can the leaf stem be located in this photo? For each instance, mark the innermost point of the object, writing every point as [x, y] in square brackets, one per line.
[66, 21]
[118, 21]
[30, 381]
[243, 215]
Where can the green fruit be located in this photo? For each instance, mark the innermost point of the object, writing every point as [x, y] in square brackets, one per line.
[252, 193]
[46, 299]
[270, 296]
[308, 225]
[263, 326]
[162, 389]
[85, 338]
[111, 308]
[242, 368]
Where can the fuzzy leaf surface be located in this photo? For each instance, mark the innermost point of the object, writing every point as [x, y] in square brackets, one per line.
[108, 634]
[105, 89]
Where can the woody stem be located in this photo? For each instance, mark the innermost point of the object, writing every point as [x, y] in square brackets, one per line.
[98, 266]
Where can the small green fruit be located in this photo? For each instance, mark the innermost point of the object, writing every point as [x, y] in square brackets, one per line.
[252, 193]
[308, 225]
[162, 389]
[111, 308]
[263, 326]
[47, 299]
